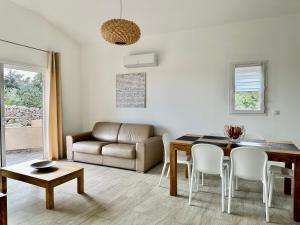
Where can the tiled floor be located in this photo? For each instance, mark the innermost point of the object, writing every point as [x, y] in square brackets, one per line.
[121, 197]
[18, 156]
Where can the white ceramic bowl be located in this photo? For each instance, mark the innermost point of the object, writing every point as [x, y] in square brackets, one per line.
[43, 164]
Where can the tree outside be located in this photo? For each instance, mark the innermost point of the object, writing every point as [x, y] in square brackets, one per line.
[247, 100]
[20, 90]
[23, 97]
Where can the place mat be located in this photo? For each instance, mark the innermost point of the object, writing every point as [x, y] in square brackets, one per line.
[215, 137]
[284, 146]
[188, 138]
[253, 140]
[250, 144]
[222, 145]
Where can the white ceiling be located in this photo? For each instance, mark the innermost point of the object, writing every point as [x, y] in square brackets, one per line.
[81, 19]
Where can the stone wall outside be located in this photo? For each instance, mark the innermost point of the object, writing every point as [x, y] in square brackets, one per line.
[21, 116]
[23, 128]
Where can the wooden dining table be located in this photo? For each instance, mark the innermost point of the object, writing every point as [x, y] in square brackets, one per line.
[285, 151]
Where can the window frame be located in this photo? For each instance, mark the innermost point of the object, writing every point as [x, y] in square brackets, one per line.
[262, 110]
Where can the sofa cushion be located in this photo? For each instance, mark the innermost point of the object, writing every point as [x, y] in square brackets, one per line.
[126, 151]
[106, 131]
[133, 133]
[89, 147]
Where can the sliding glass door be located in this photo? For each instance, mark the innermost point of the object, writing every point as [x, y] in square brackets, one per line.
[21, 114]
[2, 121]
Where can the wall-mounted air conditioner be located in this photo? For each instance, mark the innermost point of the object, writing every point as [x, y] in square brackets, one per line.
[140, 60]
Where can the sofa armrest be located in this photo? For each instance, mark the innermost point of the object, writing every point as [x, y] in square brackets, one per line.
[76, 138]
[149, 153]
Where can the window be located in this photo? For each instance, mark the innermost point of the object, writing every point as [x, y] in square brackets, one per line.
[248, 88]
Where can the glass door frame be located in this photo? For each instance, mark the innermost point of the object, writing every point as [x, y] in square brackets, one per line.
[2, 118]
[2, 105]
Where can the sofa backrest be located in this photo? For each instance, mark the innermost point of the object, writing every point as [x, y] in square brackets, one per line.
[106, 131]
[133, 133]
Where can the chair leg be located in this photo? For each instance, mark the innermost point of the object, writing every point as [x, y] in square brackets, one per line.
[223, 191]
[227, 179]
[225, 182]
[271, 180]
[168, 173]
[230, 192]
[190, 178]
[266, 199]
[198, 181]
[236, 183]
[202, 178]
[195, 178]
[191, 188]
[162, 173]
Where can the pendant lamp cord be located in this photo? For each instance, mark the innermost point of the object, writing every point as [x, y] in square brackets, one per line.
[121, 8]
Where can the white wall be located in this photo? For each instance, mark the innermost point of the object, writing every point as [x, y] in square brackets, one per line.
[188, 91]
[23, 26]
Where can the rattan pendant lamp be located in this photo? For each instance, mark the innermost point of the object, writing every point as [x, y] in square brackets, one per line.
[120, 31]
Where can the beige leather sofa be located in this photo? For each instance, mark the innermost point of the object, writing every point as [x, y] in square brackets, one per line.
[129, 146]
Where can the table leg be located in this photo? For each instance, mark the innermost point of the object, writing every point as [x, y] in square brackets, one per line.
[186, 171]
[49, 197]
[187, 167]
[80, 183]
[3, 184]
[3, 210]
[297, 191]
[173, 171]
[288, 181]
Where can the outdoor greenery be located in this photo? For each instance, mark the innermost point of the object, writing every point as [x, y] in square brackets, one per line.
[23, 91]
[247, 100]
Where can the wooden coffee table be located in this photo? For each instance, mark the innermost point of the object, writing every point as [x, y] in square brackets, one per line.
[62, 172]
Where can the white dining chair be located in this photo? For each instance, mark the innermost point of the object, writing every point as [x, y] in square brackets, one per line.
[276, 171]
[250, 164]
[182, 158]
[226, 160]
[208, 159]
[248, 136]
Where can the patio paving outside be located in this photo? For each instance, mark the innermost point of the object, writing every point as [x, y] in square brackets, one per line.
[19, 156]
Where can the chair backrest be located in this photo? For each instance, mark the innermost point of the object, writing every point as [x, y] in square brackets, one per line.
[249, 163]
[207, 158]
[166, 141]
